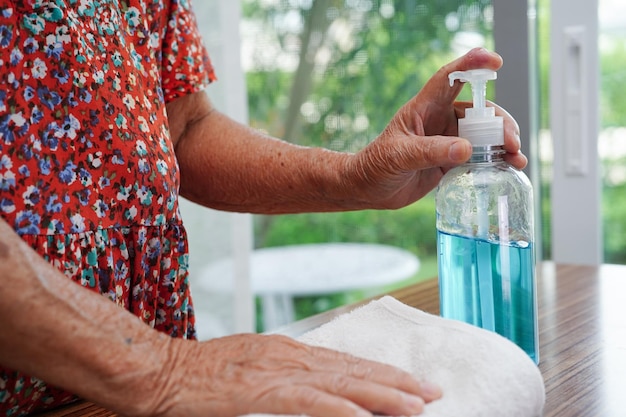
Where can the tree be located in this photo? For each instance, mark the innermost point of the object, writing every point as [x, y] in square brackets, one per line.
[357, 62]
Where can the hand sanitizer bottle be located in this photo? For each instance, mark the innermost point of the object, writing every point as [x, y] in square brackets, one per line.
[485, 231]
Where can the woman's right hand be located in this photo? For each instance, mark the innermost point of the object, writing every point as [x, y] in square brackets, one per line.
[271, 374]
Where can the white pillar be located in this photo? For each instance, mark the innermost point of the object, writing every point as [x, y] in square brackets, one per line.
[214, 234]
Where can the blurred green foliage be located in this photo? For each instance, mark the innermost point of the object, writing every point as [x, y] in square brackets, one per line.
[613, 114]
[357, 62]
[412, 228]
[337, 72]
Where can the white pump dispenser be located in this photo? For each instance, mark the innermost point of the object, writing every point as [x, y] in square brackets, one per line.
[485, 230]
[480, 126]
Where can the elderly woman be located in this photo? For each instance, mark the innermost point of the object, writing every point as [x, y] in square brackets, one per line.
[103, 121]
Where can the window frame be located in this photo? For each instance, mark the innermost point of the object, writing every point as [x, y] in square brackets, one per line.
[574, 99]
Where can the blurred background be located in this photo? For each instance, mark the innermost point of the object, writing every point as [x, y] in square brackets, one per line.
[332, 73]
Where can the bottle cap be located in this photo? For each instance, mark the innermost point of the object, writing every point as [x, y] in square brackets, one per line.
[480, 126]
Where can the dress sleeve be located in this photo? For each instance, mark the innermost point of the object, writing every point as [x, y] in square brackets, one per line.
[186, 66]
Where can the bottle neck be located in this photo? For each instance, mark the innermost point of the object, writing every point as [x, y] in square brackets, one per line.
[487, 154]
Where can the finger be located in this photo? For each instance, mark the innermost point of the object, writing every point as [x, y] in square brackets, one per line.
[518, 160]
[438, 86]
[296, 399]
[377, 398]
[338, 395]
[512, 143]
[433, 151]
[379, 373]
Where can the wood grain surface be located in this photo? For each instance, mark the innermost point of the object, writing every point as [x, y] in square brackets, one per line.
[582, 326]
[582, 336]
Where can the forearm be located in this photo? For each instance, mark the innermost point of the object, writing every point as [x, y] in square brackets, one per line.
[69, 336]
[228, 166]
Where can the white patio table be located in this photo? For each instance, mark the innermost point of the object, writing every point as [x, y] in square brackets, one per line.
[280, 273]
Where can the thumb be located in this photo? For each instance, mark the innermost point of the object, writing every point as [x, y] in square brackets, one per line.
[438, 151]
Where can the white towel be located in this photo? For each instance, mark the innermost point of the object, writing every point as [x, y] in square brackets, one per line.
[481, 373]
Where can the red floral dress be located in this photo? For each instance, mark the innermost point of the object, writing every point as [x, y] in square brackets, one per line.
[88, 175]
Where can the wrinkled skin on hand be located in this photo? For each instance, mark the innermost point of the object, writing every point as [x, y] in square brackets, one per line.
[419, 144]
[252, 373]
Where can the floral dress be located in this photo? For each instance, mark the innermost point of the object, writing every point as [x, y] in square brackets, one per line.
[88, 175]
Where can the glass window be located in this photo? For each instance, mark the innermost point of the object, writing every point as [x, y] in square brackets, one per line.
[612, 136]
[332, 74]
[611, 142]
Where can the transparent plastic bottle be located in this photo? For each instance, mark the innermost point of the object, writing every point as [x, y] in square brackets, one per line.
[485, 231]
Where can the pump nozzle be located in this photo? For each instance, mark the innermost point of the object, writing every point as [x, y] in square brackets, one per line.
[478, 79]
[480, 125]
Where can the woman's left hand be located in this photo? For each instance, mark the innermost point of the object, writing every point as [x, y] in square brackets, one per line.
[420, 143]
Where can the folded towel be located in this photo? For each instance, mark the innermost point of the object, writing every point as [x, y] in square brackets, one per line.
[481, 373]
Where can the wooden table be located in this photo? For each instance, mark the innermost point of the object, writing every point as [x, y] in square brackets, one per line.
[582, 331]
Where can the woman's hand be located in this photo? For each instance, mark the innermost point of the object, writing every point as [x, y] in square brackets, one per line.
[244, 374]
[419, 144]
